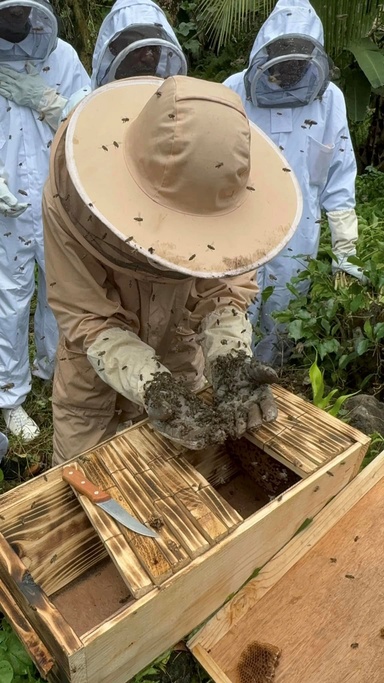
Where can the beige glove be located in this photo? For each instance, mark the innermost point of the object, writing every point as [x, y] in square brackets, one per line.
[242, 395]
[124, 362]
[130, 367]
[222, 332]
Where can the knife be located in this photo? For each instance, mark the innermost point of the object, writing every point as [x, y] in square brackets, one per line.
[102, 499]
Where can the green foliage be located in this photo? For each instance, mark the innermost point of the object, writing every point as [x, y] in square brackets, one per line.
[177, 666]
[343, 329]
[15, 664]
[329, 403]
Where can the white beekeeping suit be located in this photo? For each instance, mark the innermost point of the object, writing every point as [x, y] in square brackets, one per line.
[30, 50]
[286, 91]
[135, 39]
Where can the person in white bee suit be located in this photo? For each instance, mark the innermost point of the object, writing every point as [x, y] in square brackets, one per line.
[135, 39]
[286, 91]
[34, 67]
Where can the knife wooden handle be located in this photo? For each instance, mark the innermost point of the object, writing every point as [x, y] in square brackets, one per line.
[82, 485]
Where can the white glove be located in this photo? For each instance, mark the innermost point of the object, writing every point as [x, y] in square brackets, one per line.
[30, 90]
[124, 362]
[9, 206]
[344, 232]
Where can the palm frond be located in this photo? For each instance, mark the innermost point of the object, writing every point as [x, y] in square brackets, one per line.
[344, 20]
[224, 19]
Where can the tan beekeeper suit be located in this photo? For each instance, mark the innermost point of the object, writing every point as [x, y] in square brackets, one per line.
[120, 312]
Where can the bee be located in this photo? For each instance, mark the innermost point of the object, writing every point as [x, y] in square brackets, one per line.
[7, 387]
[6, 234]
[224, 342]
[139, 219]
[250, 188]
[105, 148]
[310, 122]
[52, 284]
[281, 147]
[46, 69]
[9, 108]
[151, 250]
[219, 165]
[125, 120]
[210, 246]
[116, 144]
[192, 257]
[49, 144]
[23, 192]
[287, 170]
[171, 116]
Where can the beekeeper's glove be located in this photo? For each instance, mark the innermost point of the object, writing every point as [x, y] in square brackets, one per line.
[242, 394]
[344, 232]
[10, 207]
[129, 366]
[30, 90]
[75, 99]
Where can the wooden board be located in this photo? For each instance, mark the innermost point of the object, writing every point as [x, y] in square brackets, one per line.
[31, 641]
[50, 532]
[198, 589]
[56, 634]
[304, 438]
[305, 601]
[164, 491]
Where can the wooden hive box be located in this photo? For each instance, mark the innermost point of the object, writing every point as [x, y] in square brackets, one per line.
[95, 603]
[320, 601]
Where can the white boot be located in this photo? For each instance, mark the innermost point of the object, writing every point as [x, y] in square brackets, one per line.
[3, 445]
[19, 423]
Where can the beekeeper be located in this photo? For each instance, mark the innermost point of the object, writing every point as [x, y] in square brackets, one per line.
[135, 39]
[29, 48]
[147, 181]
[286, 90]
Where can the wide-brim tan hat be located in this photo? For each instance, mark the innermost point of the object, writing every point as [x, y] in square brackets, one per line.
[175, 170]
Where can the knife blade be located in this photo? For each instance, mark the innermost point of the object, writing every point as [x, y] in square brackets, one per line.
[102, 499]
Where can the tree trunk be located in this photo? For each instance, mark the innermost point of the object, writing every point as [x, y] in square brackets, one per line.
[76, 27]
